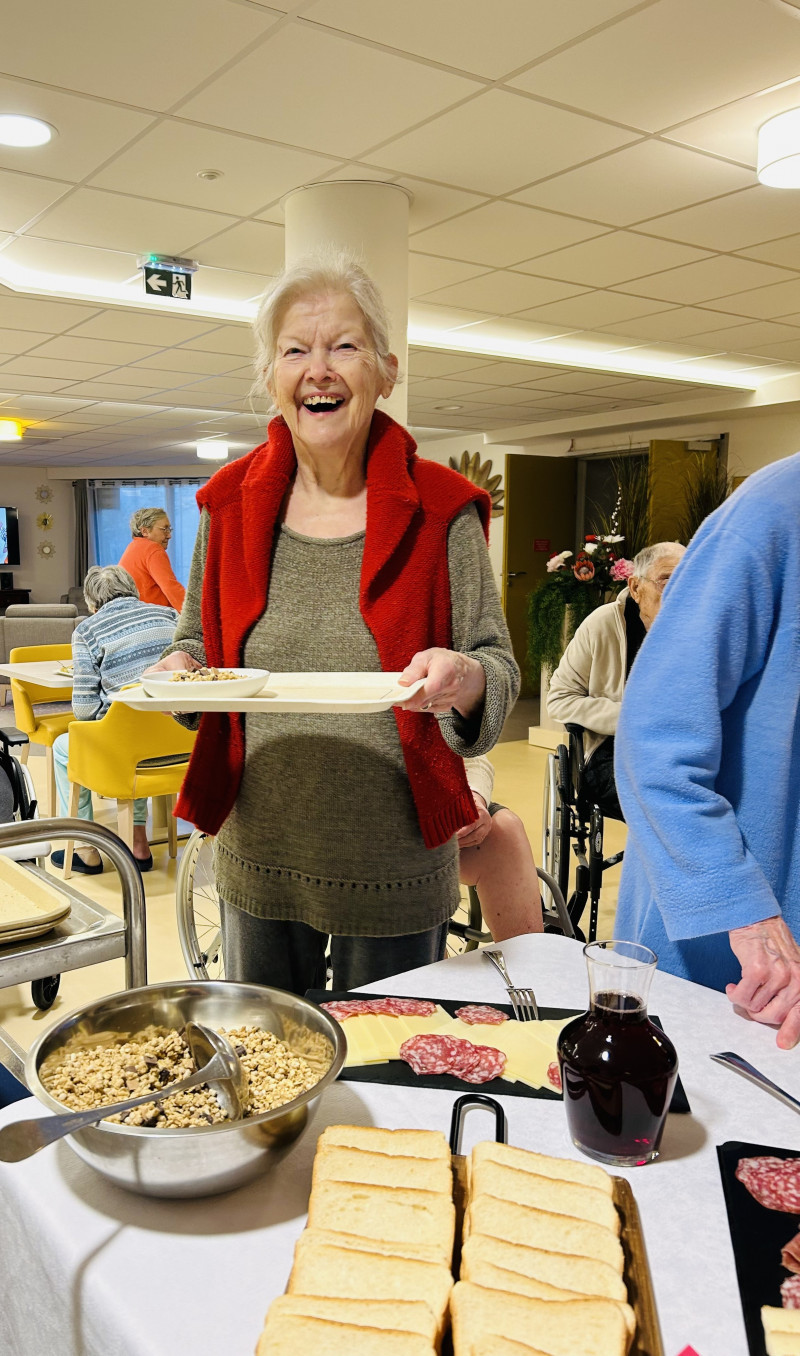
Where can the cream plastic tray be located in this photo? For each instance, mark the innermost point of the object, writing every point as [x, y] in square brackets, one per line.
[301, 693]
[28, 906]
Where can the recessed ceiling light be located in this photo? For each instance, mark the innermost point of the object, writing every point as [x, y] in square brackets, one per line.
[212, 449]
[210, 174]
[448, 409]
[779, 151]
[17, 129]
[10, 430]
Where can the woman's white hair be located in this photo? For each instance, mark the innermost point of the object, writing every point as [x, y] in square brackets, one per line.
[143, 519]
[646, 559]
[330, 271]
[103, 583]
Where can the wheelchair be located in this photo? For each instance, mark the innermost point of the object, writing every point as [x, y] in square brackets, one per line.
[572, 825]
[200, 931]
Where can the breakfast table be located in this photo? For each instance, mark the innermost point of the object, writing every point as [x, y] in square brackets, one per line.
[42, 672]
[88, 1269]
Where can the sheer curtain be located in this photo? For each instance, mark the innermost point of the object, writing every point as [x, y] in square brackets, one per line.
[80, 557]
[111, 503]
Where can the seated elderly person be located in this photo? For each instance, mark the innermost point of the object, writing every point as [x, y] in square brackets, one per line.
[586, 688]
[495, 856]
[113, 646]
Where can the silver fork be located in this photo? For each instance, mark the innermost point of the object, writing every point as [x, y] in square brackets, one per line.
[522, 1001]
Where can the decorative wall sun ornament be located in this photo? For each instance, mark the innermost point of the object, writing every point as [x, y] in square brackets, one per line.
[45, 521]
[44, 493]
[480, 473]
[46, 549]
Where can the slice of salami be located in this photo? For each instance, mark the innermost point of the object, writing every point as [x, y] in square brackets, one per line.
[490, 1064]
[477, 1014]
[773, 1182]
[790, 1292]
[554, 1076]
[342, 1008]
[408, 1007]
[431, 1054]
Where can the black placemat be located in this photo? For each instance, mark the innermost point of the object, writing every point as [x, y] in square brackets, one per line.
[757, 1235]
[400, 1074]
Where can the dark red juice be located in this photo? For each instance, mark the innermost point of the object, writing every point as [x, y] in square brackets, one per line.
[618, 1070]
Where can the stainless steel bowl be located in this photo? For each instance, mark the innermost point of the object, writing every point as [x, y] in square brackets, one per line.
[200, 1161]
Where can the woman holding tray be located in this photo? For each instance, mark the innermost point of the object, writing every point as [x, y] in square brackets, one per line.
[333, 547]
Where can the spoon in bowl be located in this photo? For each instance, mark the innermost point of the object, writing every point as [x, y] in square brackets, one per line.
[218, 1065]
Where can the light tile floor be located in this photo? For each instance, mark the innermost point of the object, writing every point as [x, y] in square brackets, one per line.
[519, 781]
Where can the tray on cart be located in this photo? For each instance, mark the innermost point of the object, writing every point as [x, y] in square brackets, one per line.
[284, 693]
[29, 905]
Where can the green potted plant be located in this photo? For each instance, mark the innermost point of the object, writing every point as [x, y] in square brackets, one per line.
[571, 590]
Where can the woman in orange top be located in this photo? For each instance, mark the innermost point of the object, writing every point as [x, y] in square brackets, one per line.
[147, 560]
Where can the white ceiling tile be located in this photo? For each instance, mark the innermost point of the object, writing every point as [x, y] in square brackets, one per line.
[644, 387]
[503, 395]
[107, 391]
[510, 373]
[764, 303]
[426, 362]
[594, 308]
[681, 322]
[139, 327]
[427, 272]
[501, 292]
[785, 252]
[355, 170]
[34, 384]
[252, 246]
[165, 164]
[18, 341]
[662, 66]
[51, 256]
[91, 216]
[142, 376]
[732, 131]
[747, 337]
[441, 317]
[224, 386]
[732, 223]
[188, 361]
[61, 369]
[28, 313]
[499, 142]
[232, 339]
[511, 327]
[707, 280]
[456, 32]
[149, 59]
[226, 284]
[612, 259]
[23, 197]
[503, 233]
[433, 203]
[296, 87]
[788, 351]
[577, 381]
[637, 182]
[88, 133]
[91, 350]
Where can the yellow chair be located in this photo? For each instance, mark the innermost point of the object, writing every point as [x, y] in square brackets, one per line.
[40, 729]
[126, 755]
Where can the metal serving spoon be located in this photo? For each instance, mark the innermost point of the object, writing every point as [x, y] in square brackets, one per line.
[741, 1066]
[218, 1064]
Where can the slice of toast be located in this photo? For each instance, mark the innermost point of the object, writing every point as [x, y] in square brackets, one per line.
[584, 1274]
[544, 1193]
[593, 1327]
[495, 1278]
[526, 1160]
[323, 1270]
[394, 1315]
[543, 1229]
[290, 1332]
[410, 1143]
[338, 1163]
[419, 1251]
[388, 1213]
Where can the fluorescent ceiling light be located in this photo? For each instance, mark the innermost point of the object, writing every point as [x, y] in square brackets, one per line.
[10, 431]
[212, 449]
[779, 151]
[552, 351]
[18, 130]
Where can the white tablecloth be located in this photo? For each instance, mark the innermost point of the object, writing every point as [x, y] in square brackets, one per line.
[87, 1269]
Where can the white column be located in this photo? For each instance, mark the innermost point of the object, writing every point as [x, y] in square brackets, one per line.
[371, 220]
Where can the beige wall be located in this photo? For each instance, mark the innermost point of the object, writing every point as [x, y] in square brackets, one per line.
[47, 578]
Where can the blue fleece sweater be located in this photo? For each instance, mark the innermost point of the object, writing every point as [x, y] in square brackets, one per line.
[708, 743]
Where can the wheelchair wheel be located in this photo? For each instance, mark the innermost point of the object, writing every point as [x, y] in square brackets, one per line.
[45, 991]
[197, 906]
[556, 823]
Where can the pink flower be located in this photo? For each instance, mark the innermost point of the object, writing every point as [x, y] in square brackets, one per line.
[621, 569]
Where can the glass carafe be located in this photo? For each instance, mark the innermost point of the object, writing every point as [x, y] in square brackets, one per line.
[617, 1067]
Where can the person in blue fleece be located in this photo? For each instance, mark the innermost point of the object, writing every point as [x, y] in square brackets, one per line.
[708, 760]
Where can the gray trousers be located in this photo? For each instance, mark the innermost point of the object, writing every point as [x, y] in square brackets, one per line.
[292, 955]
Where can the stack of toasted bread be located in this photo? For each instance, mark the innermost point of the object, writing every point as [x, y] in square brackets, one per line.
[371, 1274]
[541, 1262]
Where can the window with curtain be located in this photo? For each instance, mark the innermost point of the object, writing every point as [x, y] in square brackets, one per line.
[111, 503]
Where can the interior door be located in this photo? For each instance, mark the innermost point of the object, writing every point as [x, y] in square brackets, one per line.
[540, 519]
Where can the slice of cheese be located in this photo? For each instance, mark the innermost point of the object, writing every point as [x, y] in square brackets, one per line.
[362, 1048]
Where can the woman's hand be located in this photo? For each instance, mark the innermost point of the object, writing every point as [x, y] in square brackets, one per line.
[453, 681]
[769, 990]
[179, 659]
[472, 835]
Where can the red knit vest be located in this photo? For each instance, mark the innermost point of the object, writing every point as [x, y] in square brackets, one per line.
[404, 601]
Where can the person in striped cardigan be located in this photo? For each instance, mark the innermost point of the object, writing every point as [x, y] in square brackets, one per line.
[110, 648]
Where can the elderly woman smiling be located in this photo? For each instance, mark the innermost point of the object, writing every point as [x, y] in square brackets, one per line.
[333, 547]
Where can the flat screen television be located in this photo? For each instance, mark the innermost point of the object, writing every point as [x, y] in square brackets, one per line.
[9, 537]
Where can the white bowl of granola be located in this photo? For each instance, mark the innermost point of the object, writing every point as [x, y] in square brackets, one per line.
[205, 682]
[185, 1147]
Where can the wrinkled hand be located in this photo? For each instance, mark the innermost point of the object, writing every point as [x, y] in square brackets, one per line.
[452, 681]
[769, 990]
[178, 660]
[472, 835]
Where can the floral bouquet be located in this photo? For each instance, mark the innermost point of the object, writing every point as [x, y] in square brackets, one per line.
[572, 590]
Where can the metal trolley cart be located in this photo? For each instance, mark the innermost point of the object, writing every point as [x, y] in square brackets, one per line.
[88, 935]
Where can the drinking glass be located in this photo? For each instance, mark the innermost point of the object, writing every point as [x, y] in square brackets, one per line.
[618, 1068]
